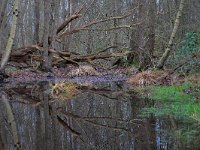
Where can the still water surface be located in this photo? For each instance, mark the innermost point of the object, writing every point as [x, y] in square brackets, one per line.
[107, 118]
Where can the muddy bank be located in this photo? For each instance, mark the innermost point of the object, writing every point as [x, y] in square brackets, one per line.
[84, 73]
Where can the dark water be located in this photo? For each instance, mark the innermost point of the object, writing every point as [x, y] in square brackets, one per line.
[107, 118]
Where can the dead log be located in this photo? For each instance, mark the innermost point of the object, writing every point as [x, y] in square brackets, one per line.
[32, 53]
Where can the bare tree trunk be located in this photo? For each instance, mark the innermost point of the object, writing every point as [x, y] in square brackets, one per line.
[52, 30]
[11, 37]
[137, 37]
[165, 55]
[89, 42]
[152, 21]
[115, 23]
[2, 11]
[21, 23]
[70, 10]
[46, 33]
[149, 47]
[37, 20]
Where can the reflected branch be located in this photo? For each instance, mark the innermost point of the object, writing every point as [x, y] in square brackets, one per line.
[76, 117]
[89, 120]
[106, 126]
[67, 127]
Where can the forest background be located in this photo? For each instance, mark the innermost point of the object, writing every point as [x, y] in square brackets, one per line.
[158, 33]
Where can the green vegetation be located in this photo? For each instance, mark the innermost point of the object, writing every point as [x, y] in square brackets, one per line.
[188, 47]
[179, 101]
[179, 107]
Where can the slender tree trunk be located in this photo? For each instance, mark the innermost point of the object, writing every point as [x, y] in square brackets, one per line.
[89, 42]
[46, 33]
[152, 21]
[52, 30]
[137, 45]
[21, 23]
[115, 23]
[149, 47]
[11, 37]
[67, 13]
[165, 55]
[134, 37]
[2, 11]
[37, 20]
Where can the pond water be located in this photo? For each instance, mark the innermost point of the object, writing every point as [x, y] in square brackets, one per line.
[105, 118]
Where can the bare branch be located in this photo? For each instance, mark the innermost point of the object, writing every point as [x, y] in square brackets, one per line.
[94, 22]
[66, 22]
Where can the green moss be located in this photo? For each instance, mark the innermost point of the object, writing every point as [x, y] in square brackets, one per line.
[179, 101]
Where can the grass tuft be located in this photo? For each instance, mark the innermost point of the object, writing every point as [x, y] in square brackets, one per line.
[64, 91]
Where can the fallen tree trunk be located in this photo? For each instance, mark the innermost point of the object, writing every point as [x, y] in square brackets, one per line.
[29, 53]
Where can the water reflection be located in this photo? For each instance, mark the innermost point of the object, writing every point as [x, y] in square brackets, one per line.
[104, 117]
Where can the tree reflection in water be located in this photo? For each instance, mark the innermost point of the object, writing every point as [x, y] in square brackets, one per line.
[105, 116]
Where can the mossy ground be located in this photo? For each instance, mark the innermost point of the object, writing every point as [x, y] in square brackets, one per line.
[176, 104]
[180, 101]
